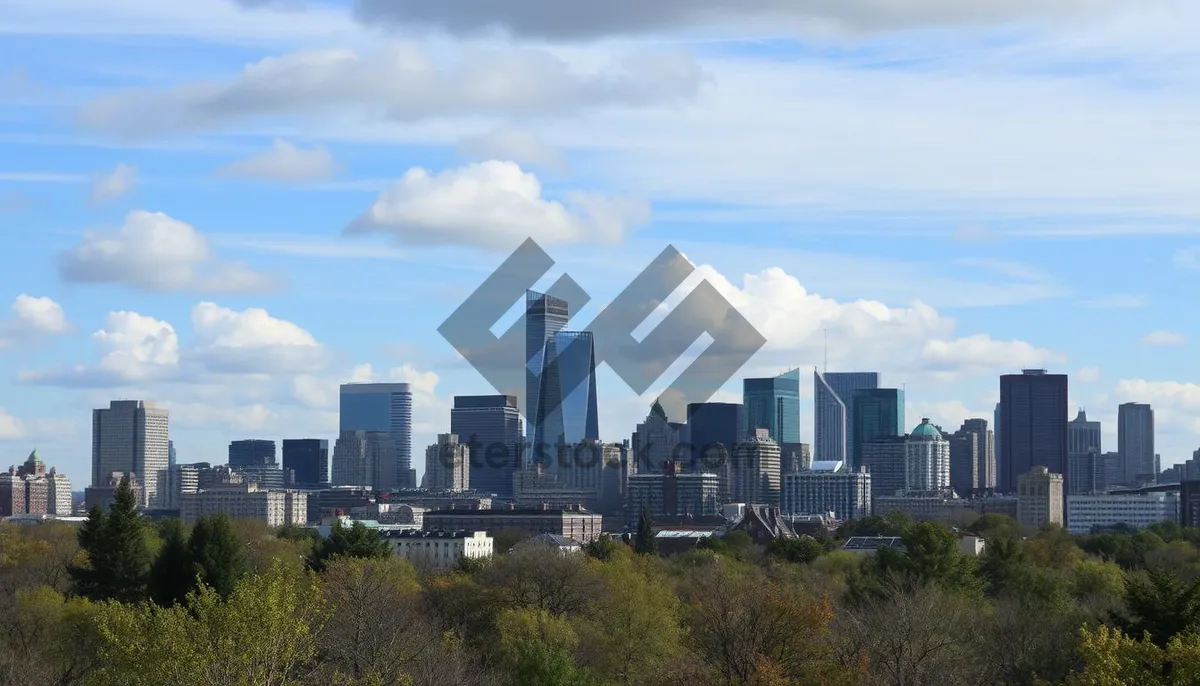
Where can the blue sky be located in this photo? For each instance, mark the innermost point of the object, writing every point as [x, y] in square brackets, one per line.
[952, 191]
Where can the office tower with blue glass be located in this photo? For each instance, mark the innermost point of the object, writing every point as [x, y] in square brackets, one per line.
[833, 408]
[1033, 425]
[306, 460]
[877, 412]
[713, 430]
[387, 408]
[545, 316]
[251, 452]
[773, 404]
[491, 428]
[567, 411]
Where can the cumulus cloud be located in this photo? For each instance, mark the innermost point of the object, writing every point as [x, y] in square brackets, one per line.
[556, 20]
[400, 83]
[33, 318]
[10, 426]
[115, 184]
[522, 147]
[494, 205]
[252, 342]
[134, 349]
[284, 162]
[1087, 374]
[1164, 338]
[154, 252]
[981, 352]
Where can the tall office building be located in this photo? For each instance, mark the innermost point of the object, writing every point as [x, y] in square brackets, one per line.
[566, 411]
[251, 453]
[985, 443]
[964, 463]
[1085, 464]
[773, 404]
[754, 472]
[885, 460]
[364, 458]
[656, 441]
[385, 407]
[833, 407]
[1033, 424]
[130, 437]
[490, 426]
[713, 429]
[877, 412]
[172, 458]
[927, 459]
[545, 316]
[1135, 443]
[447, 465]
[996, 440]
[307, 459]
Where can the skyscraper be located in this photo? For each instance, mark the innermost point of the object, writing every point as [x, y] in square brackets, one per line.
[656, 441]
[566, 412]
[833, 407]
[773, 404]
[446, 465]
[490, 426]
[754, 472]
[927, 459]
[130, 437]
[985, 444]
[172, 458]
[545, 316]
[713, 429]
[1135, 443]
[996, 440]
[364, 458]
[964, 463]
[385, 407]
[876, 412]
[307, 459]
[1085, 464]
[251, 453]
[1033, 423]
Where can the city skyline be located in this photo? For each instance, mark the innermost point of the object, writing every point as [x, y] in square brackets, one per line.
[313, 230]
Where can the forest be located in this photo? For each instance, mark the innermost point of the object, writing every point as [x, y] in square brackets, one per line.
[120, 600]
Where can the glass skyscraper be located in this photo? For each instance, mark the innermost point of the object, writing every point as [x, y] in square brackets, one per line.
[1033, 425]
[773, 404]
[307, 459]
[833, 408]
[566, 410]
[385, 407]
[877, 412]
[490, 426]
[545, 316]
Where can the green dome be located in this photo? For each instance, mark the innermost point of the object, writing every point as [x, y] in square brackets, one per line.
[926, 431]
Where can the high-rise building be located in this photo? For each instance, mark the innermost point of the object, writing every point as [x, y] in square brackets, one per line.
[172, 458]
[773, 404]
[385, 407]
[964, 463]
[364, 458]
[927, 459]
[833, 407]
[490, 427]
[885, 460]
[1033, 424]
[545, 316]
[567, 411]
[843, 492]
[447, 465]
[754, 470]
[1135, 443]
[876, 412]
[1040, 498]
[1083, 436]
[61, 501]
[713, 429]
[986, 445]
[657, 441]
[307, 460]
[130, 437]
[996, 441]
[673, 493]
[252, 452]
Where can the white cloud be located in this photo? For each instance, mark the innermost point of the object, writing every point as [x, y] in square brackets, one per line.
[252, 417]
[252, 342]
[1164, 338]
[982, 353]
[154, 252]
[401, 83]
[494, 205]
[1087, 375]
[134, 349]
[10, 426]
[33, 318]
[115, 184]
[284, 162]
[1120, 301]
[522, 147]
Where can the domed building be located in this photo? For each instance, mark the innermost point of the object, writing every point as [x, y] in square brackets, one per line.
[927, 459]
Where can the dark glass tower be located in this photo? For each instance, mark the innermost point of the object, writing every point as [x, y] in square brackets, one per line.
[251, 453]
[877, 412]
[833, 405]
[307, 459]
[773, 404]
[1033, 423]
[713, 426]
[545, 316]
[490, 426]
[567, 411]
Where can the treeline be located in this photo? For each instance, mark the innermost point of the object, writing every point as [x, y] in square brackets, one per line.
[120, 601]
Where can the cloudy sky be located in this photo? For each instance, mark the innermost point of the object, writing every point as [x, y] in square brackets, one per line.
[231, 207]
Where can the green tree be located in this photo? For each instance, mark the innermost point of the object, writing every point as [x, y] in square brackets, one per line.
[931, 556]
[217, 554]
[1160, 606]
[352, 541]
[645, 543]
[603, 548]
[173, 574]
[117, 555]
[538, 648]
[801, 550]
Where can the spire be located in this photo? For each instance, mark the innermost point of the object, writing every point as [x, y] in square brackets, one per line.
[657, 410]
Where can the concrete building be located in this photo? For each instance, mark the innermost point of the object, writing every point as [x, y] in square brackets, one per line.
[447, 465]
[754, 470]
[985, 442]
[439, 551]
[964, 463]
[307, 461]
[130, 437]
[12, 493]
[926, 459]
[61, 500]
[491, 428]
[246, 501]
[657, 441]
[176, 481]
[364, 458]
[381, 408]
[576, 523]
[828, 487]
[673, 493]
[885, 459]
[252, 452]
[1135, 444]
[833, 410]
[102, 495]
[1033, 416]
[1138, 510]
[1040, 499]
[535, 487]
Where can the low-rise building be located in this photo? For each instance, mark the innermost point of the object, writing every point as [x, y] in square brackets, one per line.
[577, 523]
[828, 487]
[246, 501]
[439, 551]
[102, 495]
[673, 493]
[1137, 510]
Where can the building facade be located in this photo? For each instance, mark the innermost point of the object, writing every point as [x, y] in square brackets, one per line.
[773, 404]
[491, 428]
[1138, 510]
[307, 461]
[985, 445]
[1085, 466]
[885, 460]
[841, 491]
[656, 441]
[364, 458]
[875, 413]
[439, 551]
[386, 408]
[1135, 443]
[964, 463]
[713, 429]
[754, 475]
[246, 501]
[1033, 425]
[576, 523]
[447, 465]
[833, 410]
[1040, 499]
[252, 452]
[567, 409]
[130, 437]
[545, 316]
[927, 459]
[673, 494]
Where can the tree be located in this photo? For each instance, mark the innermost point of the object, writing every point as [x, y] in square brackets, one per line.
[173, 574]
[1110, 658]
[118, 558]
[1161, 607]
[931, 556]
[602, 548]
[645, 543]
[353, 541]
[217, 554]
[538, 648]
[801, 550]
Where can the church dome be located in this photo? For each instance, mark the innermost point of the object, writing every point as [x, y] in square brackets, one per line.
[926, 431]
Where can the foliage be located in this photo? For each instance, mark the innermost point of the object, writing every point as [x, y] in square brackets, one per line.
[931, 556]
[603, 548]
[1111, 658]
[118, 558]
[173, 574]
[802, 550]
[352, 541]
[644, 543]
[1160, 607]
[218, 555]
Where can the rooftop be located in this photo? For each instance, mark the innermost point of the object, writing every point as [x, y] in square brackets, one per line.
[873, 543]
[416, 533]
[926, 431]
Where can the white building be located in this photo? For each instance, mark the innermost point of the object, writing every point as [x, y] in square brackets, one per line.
[439, 551]
[927, 459]
[827, 487]
[1138, 510]
[246, 501]
[130, 437]
[59, 500]
[754, 470]
[447, 465]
